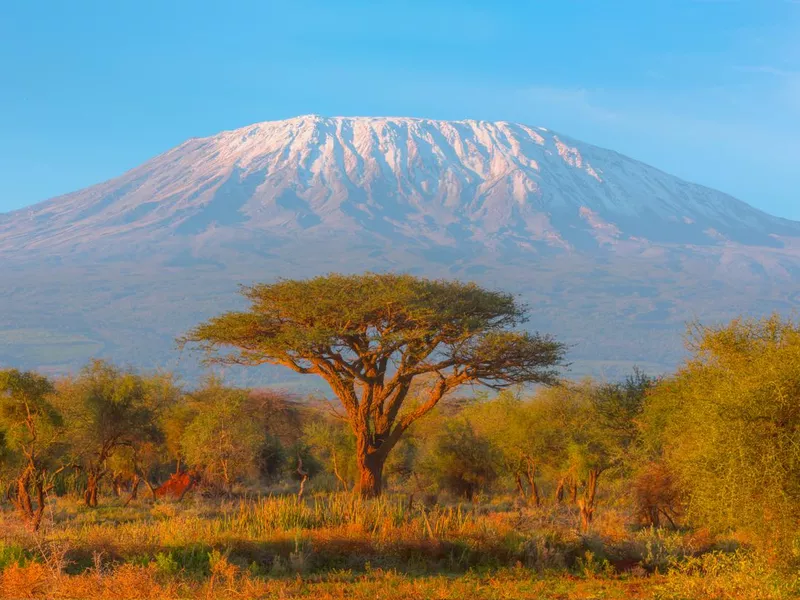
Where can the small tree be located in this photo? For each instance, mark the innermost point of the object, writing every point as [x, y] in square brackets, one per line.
[146, 458]
[333, 442]
[584, 449]
[619, 407]
[137, 463]
[728, 424]
[460, 460]
[373, 337]
[220, 439]
[280, 417]
[105, 408]
[30, 432]
[173, 423]
[522, 438]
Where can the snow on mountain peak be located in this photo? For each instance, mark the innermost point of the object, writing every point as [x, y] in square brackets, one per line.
[439, 182]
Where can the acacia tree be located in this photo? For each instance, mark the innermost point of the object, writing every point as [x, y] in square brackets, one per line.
[390, 346]
[334, 443]
[461, 460]
[105, 409]
[579, 445]
[524, 440]
[30, 429]
[728, 423]
[619, 407]
[221, 439]
[599, 425]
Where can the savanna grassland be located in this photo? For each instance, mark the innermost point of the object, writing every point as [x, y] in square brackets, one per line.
[337, 546]
[123, 484]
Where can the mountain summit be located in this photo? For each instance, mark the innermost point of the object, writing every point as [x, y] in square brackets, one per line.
[412, 180]
[612, 255]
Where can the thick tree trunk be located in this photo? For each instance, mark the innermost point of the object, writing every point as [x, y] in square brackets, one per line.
[559, 495]
[90, 495]
[36, 521]
[520, 487]
[586, 503]
[24, 504]
[370, 468]
[532, 482]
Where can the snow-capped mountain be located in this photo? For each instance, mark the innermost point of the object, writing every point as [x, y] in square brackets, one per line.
[609, 251]
[436, 182]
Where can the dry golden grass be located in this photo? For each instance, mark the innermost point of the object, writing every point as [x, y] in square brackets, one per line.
[337, 546]
[129, 582]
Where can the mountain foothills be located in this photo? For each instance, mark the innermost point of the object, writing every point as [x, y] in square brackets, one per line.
[611, 255]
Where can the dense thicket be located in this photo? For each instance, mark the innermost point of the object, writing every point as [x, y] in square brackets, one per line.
[727, 426]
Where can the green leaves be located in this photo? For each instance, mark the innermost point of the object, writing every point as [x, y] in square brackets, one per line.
[461, 460]
[343, 304]
[106, 408]
[362, 326]
[220, 438]
[28, 419]
[354, 317]
[503, 358]
[729, 425]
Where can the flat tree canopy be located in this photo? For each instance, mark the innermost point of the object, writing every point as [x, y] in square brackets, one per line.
[372, 336]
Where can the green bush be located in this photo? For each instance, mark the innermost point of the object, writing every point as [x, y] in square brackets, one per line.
[14, 554]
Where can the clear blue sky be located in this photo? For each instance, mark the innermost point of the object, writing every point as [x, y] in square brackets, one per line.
[708, 90]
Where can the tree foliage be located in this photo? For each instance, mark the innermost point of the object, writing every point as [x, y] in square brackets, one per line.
[713, 446]
[728, 424]
[334, 443]
[105, 408]
[30, 431]
[219, 438]
[460, 460]
[524, 441]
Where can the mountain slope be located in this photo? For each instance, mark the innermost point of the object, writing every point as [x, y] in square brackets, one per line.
[609, 251]
[434, 181]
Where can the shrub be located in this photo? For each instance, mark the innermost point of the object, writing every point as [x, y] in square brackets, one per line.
[730, 428]
[461, 461]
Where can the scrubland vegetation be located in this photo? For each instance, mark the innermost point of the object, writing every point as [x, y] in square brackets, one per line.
[122, 484]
